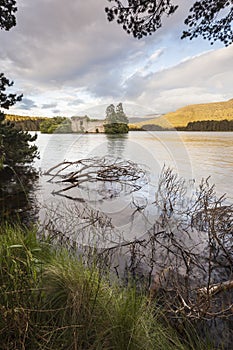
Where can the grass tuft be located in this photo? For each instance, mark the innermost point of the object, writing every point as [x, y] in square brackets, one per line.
[49, 299]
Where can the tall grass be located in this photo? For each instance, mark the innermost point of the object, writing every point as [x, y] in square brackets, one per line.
[21, 260]
[49, 299]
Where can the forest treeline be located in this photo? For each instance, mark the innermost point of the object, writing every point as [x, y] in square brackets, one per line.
[43, 124]
[61, 125]
[209, 125]
[201, 125]
[154, 127]
[26, 123]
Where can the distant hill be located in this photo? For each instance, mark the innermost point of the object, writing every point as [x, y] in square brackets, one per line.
[191, 113]
[142, 119]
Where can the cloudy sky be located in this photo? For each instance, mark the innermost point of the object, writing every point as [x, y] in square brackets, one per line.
[67, 59]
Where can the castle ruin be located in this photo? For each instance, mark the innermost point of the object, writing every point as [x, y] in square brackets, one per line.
[84, 124]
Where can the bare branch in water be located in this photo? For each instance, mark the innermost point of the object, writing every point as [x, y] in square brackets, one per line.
[186, 257]
[105, 169]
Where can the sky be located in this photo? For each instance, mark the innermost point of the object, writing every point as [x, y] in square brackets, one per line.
[67, 59]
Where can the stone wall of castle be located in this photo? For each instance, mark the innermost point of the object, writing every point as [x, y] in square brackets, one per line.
[83, 124]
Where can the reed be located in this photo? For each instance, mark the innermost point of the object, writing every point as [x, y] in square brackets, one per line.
[50, 299]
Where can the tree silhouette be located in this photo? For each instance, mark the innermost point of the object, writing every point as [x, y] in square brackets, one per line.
[15, 150]
[7, 21]
[210, 19]
[7, 100]
[7, 14]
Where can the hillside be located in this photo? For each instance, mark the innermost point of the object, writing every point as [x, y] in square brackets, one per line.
[191, 113]
[134, 120]
[25, 123]
[20, 118]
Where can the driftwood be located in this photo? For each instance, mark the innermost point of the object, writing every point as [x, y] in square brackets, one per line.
[105, 169]
[215, 288]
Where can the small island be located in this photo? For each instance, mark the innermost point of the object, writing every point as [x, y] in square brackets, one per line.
[116, 122]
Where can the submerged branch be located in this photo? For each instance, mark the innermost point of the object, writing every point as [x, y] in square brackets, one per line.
[96, 169]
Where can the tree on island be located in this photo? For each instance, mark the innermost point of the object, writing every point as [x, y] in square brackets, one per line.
[210, 19]
[116, 121]
[15, 151]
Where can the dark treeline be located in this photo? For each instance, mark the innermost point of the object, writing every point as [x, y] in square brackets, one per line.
[28, 125]
[209, 125]
[201, 125]
[153, 127]
[33, 124]
[25, 123]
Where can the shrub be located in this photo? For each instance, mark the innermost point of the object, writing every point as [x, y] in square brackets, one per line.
[116, 128]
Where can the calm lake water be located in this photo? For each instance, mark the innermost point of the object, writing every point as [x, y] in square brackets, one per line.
[106, 222]
[192, 155]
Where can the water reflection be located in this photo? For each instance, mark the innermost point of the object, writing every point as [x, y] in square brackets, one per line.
[18, 197]
[116, 145]
[191, 155]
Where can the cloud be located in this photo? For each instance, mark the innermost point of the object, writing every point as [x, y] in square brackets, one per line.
[70, 55]
[73, 44]
[56, 46]
[27, 104]
[155, 55]
[56, 111]
[203, 78]
[76, 102]
[48, 105]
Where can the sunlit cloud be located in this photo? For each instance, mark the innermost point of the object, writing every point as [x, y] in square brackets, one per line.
[69, 59]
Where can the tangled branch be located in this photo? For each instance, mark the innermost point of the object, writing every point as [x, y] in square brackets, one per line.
[92, 170]
[185, 259]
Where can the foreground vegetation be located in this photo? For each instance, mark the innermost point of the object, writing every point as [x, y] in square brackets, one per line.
[50, 299]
